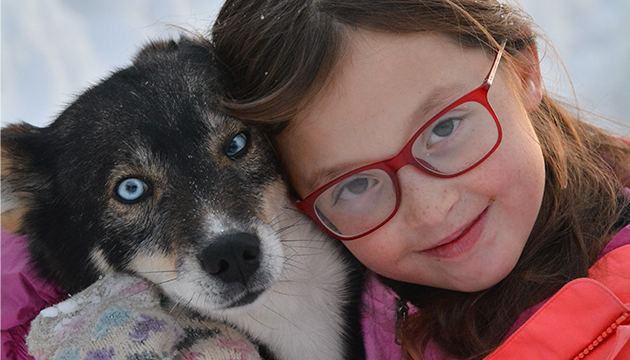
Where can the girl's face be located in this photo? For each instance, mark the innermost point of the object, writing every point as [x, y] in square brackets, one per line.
[464, 233]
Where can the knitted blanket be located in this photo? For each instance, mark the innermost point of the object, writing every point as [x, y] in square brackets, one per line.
[120, 317]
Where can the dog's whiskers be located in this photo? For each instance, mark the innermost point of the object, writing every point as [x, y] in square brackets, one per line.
[286, 293]
[181, 311]
[276, 219]
[166, 281]
[173, 306]
[304, 240]
[280, 315]
[157, 272]
[291, 265]
[260, 322]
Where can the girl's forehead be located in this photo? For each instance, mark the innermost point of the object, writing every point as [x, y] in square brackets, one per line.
[432, 69]
[374, 63]
[374, 47]
[384, 87]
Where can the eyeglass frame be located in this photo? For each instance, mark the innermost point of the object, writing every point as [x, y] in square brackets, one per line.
[405, 155]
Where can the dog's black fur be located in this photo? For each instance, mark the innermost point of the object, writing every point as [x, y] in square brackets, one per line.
[213, 227]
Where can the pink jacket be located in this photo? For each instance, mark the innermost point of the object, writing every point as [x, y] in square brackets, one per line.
[24, 295]
[588, 318]
[568, 324]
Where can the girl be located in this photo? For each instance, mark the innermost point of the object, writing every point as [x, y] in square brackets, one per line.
[420, 134]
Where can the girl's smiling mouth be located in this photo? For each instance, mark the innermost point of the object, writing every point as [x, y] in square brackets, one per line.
[461, 241]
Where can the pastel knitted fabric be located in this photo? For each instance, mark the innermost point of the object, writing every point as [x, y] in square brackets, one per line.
[120, 317]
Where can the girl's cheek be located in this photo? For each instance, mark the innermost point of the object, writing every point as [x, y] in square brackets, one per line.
[519, 174]
[378, 254]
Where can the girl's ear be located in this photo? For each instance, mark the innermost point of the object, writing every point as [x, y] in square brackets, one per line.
[528, 67]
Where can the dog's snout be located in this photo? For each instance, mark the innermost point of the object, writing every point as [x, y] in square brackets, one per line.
[232, 257]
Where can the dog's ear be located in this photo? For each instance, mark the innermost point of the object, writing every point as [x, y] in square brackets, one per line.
[21, 171]
[156, 47]
[196, 47]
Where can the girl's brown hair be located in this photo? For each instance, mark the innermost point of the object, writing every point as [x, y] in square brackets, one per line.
[278, 54]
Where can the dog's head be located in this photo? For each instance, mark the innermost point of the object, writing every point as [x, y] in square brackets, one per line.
[142, 174]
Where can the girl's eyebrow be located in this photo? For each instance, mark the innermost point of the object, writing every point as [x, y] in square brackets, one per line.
[438, 98]
[326, 175]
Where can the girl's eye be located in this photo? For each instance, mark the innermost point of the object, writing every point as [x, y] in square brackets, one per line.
[354, 188]
[131, 190]
[443, 129]
[236, 147]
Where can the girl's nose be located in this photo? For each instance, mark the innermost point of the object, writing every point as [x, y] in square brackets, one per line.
[426, 200]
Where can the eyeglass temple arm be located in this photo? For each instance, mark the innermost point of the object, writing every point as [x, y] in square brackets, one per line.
[495, 65]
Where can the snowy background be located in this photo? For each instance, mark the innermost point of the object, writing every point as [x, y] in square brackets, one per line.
[53, 49]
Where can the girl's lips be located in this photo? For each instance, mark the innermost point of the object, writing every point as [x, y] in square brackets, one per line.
[461, 241]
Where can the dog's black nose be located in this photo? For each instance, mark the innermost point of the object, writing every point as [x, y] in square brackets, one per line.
[232, 257]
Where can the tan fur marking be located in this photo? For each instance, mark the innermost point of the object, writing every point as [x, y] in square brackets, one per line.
[6, 163]
[98, 259]
[12, 219]
[156, 268]
[274, 201]
[13, 204]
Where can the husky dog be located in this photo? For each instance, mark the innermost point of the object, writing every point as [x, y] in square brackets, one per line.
[143, 174]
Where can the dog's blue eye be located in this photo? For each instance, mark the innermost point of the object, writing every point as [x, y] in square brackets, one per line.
[131, 189]
[238, 143]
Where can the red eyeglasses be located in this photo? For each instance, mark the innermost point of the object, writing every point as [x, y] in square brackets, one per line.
[454, 141]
